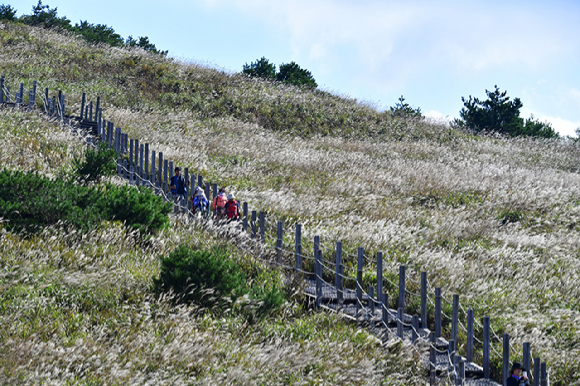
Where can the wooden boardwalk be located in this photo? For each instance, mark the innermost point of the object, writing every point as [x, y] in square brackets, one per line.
[437, 353]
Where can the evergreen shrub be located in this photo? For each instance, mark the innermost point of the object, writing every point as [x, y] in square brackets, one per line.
[30, 201]
[211, 278]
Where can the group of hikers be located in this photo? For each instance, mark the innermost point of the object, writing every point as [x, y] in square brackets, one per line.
[223, 208]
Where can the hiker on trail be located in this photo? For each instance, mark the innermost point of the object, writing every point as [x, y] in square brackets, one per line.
[518, 376]
[232, 208]
[179, 190]
[200, 203]
[219, 205]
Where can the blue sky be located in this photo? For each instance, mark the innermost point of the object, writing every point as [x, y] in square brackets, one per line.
[432, 53]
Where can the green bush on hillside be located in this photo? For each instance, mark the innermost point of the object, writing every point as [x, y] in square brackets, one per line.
[289, 73]
[44, 16]
[97, 163]
[194, 273]
[210, 278]
[499, 114]
[7, 13]
[30, 201]
[402, 109]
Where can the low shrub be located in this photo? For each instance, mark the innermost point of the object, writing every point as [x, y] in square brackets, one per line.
[210, 278]
[96, 164]
[194, 274]
[30, 201]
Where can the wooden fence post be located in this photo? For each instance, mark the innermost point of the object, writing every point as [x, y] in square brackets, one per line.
[316, 244]
[432, 362]
[544, 374]
[359, 280]
[245, 220]
[200, 184]
[371, 301]
[263, 226]
[165, 177]
[187, 191]
[380, 276]
[153, 179]
[455, 319]
[2, 89]
[119, 169]
[97, 108]
[131, 175]
[486, 343]
[137, 148]
[170, 174]
[214, 190]
[298, 248]
[461, 372]
[424, 300]
[91, 111]
[279, 241]
[338, 283]
[469, 343]
[526, 357]
[207, 187]
[318, 277]
[63, 107]
[385, 310]
[125, 169]
[160, 169]
[254, 227]
[141, 153]
[99, 120]
[537, 366]
[438, 312]
[147, 162]
[402, 287]
[32, 97]
[110, 131]
[506, 358]
[131, 145]
[400, 313]
[83, 101]
[21, 93]
[59, 104]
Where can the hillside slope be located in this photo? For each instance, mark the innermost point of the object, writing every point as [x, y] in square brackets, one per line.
[495, 220]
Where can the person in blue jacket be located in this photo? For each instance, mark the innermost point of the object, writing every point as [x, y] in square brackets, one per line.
[200, 203]
[178, 187]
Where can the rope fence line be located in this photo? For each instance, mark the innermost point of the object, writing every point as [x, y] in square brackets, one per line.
[138, 171]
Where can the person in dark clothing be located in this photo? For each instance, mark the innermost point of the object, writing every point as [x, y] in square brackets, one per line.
[518, 376]
[178, 187]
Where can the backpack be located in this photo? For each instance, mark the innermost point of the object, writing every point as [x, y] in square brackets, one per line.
[179, 184]
[219, 204]
[232, 209]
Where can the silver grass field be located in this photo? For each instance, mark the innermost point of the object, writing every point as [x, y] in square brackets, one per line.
[493, 219]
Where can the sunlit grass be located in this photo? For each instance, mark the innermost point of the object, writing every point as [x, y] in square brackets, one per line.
[495, 220]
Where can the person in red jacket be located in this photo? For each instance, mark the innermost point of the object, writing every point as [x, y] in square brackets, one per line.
[232, 208]
[219, 205]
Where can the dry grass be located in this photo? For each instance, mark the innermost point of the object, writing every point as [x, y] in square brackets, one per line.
[492, 219]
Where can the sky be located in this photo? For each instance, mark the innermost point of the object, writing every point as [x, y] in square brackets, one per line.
[431, 52]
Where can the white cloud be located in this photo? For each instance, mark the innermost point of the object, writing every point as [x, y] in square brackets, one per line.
[437, 117]
[562, 126]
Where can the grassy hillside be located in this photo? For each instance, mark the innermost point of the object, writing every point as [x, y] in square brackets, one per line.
[495, 220]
